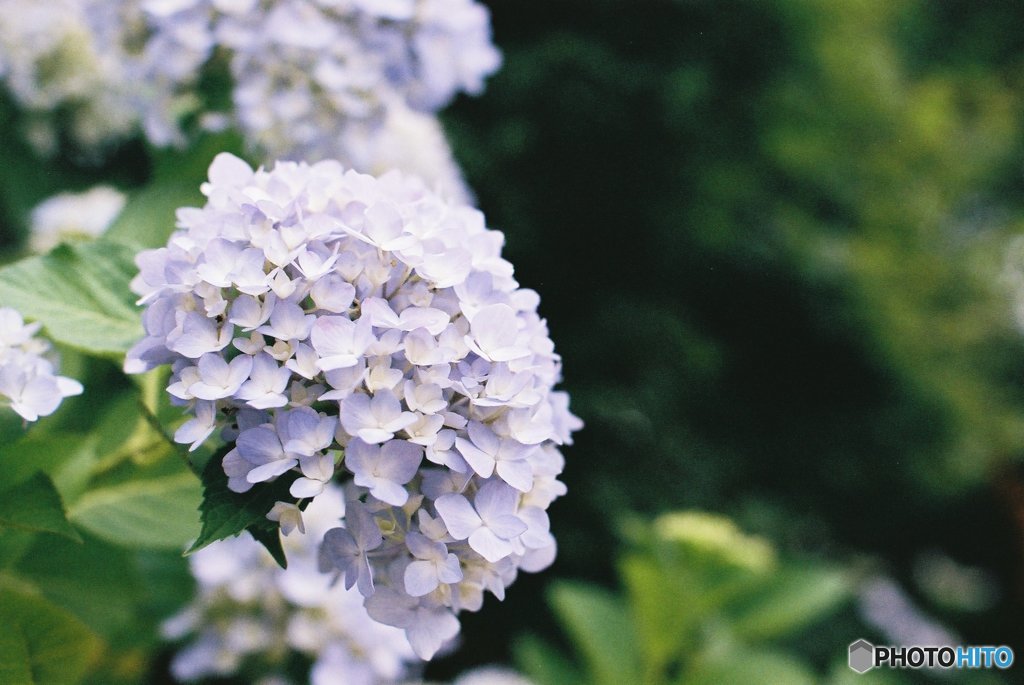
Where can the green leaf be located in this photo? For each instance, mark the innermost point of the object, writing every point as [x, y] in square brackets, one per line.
[543, 664]
[664, 615]
[15, 660]
[42, 644]
[598, 624]
[35, 505]
[792, 599]
[741, 667]
[226, 513]
[148, 218]
[155, 514]
[81, 295]
[96, 581]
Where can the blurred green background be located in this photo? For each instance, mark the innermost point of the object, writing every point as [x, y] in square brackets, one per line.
[774, 242]
[770, 238]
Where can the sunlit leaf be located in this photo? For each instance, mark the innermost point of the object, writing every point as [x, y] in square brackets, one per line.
[80, 293]
[160, 513]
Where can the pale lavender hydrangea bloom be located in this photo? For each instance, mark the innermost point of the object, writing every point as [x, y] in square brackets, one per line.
[248, 612]
[356, 80]
[28, 381]
[313, 77]
[63, 61]
[342, 327]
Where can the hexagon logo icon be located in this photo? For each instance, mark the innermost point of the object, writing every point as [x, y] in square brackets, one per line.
[862, 656]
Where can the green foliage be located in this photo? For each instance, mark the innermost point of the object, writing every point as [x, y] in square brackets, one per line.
[703, 603]
[599, 626]
[41, 644]
[35, 505]
[159, 514]
[225, 513]
[81, 295]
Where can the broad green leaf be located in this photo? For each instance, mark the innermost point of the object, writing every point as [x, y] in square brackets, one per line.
[44, 641]
[598, 624]
[35, 505]
[742, 667]
[98, 582]
[792, 599]
[13, 545]
[226, 513]
[15, 660]
[155, 514]
[81, 295]
[663, 616]
[542, 664]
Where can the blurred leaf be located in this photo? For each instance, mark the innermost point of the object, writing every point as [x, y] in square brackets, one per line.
[226, 513]
[542, 664]
[842, 674]
[41, 641]
[15, 662]
[663, 619]
[35, 505]
[81, 295]
[599, 625]
[13, 545]
[793, 598]
[148, 218]
[746, 667]
[96, 581]
[37, 451]
[155, 514]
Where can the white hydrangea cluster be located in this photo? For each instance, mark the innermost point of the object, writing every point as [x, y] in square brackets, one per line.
[28, 381]
[249, 612]
[62, 62]
[308, 75]
[344, 327]
[74, 216]
[412, 142]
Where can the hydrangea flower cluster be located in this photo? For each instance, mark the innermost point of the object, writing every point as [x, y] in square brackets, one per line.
[248, 613]
[28, 381]
[74, 216]
[307, 73]
[339, 326]
[63, 63]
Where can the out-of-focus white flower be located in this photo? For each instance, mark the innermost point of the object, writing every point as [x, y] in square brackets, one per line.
[407, 140]
[491, 675]
[63, 60]
[249, 614]
[310, 78]
[418, 372]
[28, 381]
[73, 216]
